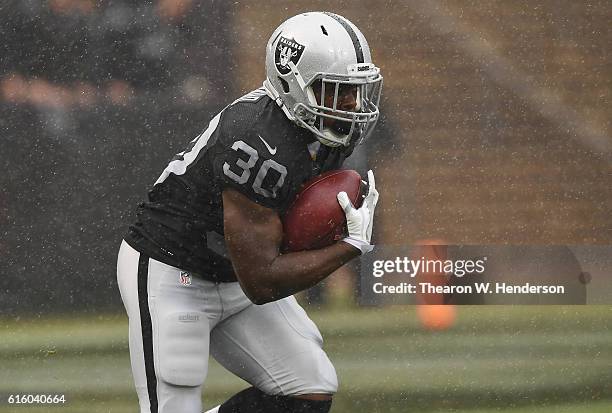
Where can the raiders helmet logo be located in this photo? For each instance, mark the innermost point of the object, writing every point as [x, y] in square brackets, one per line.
[287, 51]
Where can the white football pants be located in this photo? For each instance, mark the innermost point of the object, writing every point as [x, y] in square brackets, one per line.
[176, 320]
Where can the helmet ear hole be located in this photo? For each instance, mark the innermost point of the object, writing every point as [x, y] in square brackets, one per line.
[284, 84]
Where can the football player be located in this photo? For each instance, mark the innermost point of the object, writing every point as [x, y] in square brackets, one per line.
[200, 271]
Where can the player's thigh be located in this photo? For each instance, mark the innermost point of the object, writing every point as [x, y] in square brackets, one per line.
[169, 330]
[276, 348]
[181, 326]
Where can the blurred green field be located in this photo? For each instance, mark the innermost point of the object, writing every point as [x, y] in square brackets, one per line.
[495, 359]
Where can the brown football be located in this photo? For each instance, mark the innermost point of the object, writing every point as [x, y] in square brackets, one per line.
[314, 219]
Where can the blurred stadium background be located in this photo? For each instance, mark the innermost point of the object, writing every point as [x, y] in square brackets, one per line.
[496, 131]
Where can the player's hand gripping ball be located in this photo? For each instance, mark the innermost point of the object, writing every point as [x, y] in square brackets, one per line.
[315, 219]
[359, 219]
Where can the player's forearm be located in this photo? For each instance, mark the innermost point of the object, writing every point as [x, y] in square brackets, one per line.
[290, 273]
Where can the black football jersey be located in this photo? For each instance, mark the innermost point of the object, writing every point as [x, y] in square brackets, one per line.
[249, 146]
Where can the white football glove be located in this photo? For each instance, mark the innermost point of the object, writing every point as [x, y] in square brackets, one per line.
[359, 221]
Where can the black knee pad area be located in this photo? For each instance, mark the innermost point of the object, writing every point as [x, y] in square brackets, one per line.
[253, 400]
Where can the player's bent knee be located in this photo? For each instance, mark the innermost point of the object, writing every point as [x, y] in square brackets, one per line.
[315, 376]
[183, 348]
[325, 380]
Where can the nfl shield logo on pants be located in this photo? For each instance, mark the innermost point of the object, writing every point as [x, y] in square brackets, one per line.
[185, 278]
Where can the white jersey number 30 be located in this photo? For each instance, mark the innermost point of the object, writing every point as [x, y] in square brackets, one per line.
[245, 167]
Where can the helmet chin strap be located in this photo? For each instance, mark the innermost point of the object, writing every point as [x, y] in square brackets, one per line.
[335, 136]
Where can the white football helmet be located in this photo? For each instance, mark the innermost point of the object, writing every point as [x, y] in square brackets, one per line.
[323, 50]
